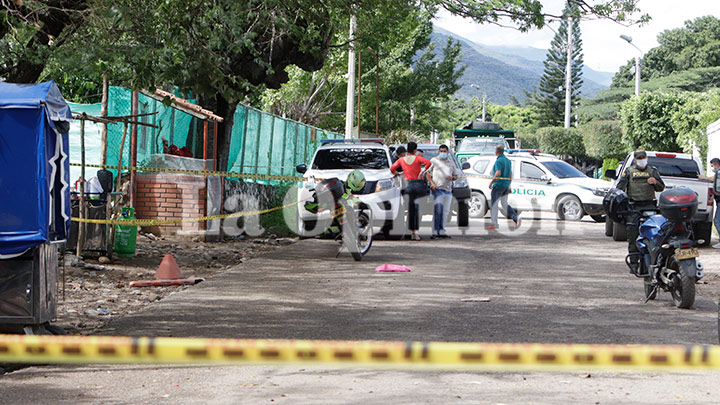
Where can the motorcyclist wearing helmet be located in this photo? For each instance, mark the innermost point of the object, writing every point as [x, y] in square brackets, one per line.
[355, 182]
[640, 182]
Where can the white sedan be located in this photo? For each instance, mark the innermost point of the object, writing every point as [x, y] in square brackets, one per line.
[540, 183]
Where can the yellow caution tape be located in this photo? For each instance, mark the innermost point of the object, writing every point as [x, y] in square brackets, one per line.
[199, 172]
[151, 222]
[500, 356]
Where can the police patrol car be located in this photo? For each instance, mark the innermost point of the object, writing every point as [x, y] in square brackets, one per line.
[339, 157]
[540, 183]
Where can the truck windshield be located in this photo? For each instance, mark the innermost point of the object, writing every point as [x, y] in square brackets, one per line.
[675, 167]
[484, 145]
[562, 170]
[330, 159]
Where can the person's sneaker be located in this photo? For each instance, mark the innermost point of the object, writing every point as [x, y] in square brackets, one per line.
[443, 235]
[490, 227]
[716, 246]
[517, 223]
[434, 236]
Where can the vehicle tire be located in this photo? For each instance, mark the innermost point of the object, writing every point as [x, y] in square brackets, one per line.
[463, 219]
[619, 232]
[569, 208]
[477, 205]
[305, 228]
[650, 291]
[357, 233]
[609, 223]
[683, 291]
[365, 232]
[703, 231]
[599, 218]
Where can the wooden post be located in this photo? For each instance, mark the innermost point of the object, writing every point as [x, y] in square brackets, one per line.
[103, 114]
[117, 186]
[81, 202]
[133, 147]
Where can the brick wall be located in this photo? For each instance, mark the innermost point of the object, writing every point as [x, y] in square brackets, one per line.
[171, 196]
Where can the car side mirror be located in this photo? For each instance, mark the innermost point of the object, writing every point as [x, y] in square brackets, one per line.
[545, 178]
[465, 165]
[611, 174]
[301, 168]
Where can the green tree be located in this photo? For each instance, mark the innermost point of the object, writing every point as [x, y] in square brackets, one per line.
[696, 45]
[550, 97]
[603, 139]
[564, 142]
[223, 51]
[691, 119]
[647, 121]
[523, 120]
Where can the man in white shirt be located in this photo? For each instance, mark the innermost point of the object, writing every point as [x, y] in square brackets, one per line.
[441, 175]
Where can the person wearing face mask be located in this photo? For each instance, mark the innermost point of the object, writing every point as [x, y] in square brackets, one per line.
[640, 182]
[715, 166]
[441, 175]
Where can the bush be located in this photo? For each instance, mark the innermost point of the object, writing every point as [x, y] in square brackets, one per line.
[560, 141]
[647, 121]
[603, 139]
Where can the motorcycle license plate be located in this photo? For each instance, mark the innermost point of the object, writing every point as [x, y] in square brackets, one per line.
[681, 254]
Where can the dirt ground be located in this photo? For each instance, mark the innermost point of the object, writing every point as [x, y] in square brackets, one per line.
[88, 298]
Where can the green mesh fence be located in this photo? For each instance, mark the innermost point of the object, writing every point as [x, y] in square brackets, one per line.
[264, 143]
[261, 143]
[173, 125]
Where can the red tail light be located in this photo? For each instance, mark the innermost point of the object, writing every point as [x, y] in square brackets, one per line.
[685, 245]
[667, 155]
[679, 228]
[711, 197]
[681, 199]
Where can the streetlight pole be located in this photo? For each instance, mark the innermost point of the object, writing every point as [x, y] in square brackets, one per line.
[637, 64]
[476, 87]
[568, 72]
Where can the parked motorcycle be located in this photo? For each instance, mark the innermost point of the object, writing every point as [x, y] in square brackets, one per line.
[668, 256]
[351, 219]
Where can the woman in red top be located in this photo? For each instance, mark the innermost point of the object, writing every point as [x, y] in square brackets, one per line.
[412, 166]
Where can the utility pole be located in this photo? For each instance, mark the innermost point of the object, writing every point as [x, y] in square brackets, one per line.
[568, 72]
[350, 107]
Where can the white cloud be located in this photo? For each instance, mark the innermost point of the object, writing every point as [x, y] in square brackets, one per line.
[602, 46]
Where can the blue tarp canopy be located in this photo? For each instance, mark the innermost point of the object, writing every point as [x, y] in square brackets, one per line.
[34, 166]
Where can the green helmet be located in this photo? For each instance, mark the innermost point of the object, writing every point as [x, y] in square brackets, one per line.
[356, 181]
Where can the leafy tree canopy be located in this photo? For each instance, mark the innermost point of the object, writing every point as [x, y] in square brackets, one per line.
[647, 121]
[696, 45]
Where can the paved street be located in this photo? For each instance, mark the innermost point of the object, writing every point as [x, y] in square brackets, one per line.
[547, 282]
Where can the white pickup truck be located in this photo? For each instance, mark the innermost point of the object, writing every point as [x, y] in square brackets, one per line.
[676, 169]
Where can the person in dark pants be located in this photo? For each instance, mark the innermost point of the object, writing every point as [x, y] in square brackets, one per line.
[412, 166]
[640, 182]
[715, 166]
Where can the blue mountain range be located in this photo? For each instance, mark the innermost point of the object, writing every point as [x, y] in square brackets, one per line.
[503, 72]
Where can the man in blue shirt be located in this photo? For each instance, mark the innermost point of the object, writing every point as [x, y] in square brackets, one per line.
[500, 185]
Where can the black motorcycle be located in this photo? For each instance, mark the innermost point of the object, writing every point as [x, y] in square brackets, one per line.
[667, 256]
[350, 219]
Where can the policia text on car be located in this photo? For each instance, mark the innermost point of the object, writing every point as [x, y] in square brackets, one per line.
[640, 182]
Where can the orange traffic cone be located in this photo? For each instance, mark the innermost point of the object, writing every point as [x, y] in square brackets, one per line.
[168, 269]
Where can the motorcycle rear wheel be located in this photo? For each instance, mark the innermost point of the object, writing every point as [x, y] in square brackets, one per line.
[357, 234]
[683, 290]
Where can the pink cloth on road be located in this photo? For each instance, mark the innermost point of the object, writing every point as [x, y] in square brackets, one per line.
[396, 268]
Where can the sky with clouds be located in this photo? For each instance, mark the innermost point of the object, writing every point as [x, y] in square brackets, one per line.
[602, 47]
